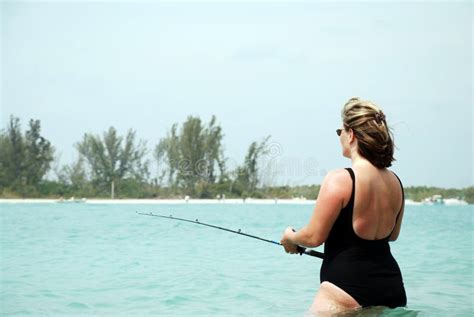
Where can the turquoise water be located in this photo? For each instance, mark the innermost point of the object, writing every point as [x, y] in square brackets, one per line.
[85, 259]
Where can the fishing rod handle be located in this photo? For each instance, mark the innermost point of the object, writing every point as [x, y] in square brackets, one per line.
[299, 249]
[310, 252]
[302, 250]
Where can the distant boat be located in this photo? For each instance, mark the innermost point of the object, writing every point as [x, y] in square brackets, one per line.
[455, 202]
[434, 200]
[71, 200]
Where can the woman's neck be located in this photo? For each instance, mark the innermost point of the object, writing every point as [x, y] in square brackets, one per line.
[358, 160]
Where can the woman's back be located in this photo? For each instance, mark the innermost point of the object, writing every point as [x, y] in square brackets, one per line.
[378, 200]
[363, 265]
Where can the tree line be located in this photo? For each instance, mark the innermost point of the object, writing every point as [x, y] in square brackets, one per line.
[188, 161]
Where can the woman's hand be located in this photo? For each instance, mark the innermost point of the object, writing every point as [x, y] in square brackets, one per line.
[287, 242]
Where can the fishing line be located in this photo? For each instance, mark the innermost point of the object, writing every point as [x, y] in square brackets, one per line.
[301, 250]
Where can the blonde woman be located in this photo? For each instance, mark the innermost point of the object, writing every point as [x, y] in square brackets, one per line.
[358, 211]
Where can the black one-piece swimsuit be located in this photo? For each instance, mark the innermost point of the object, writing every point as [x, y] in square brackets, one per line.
[365, 269]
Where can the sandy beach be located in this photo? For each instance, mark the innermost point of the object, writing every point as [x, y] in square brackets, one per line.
[296, 201]
[161, 201]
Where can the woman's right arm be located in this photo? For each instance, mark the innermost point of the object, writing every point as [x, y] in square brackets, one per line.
[335, 187]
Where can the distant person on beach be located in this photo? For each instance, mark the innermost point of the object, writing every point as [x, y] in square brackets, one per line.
[358, 211]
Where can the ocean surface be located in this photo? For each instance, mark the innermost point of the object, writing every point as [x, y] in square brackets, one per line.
[106, 260]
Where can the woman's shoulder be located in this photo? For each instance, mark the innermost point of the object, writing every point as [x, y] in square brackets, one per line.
[395, 174]
[337, 177]
[337, 184]
[338, 172]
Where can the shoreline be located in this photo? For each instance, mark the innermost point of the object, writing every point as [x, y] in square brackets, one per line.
[158, 201]
[234, 201]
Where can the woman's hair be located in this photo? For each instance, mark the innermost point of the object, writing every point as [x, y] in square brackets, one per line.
[375, 138]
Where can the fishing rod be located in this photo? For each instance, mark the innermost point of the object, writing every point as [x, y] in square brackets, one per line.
[301, 250]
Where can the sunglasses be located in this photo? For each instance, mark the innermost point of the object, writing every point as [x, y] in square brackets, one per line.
[339, 131]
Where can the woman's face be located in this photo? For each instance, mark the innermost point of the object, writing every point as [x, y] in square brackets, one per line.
[344, 139]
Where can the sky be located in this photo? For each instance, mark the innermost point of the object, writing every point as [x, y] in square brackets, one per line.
[276, 68]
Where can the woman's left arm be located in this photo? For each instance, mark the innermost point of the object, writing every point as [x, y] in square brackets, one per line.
[330, 201]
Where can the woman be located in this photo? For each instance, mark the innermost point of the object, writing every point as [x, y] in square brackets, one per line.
[358, 211]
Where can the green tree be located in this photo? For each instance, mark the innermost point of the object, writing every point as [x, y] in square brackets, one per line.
[248, 174]
[168, 155]
[39, 154]
[24, 159]
[12, 155]
[74, 179]
[113, 158]
[469, 195]
[214, 154]
[192, 150]
[190, 157]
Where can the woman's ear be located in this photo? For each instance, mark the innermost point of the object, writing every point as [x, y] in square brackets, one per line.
[351, 136]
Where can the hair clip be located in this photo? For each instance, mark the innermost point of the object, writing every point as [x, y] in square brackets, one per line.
[379, 117]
